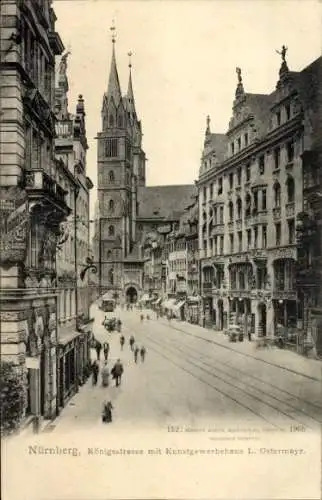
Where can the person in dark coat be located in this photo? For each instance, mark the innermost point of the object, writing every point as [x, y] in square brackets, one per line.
[107, 411]
[117, 372]
[98, 348]
[95, 371]
[132, 340]
[142, 352]
[122, 340]
[106, 350]
[136, 353]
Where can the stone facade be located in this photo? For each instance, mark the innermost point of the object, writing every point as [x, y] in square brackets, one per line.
[250, 197]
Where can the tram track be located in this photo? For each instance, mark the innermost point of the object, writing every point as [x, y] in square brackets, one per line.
[218, 376]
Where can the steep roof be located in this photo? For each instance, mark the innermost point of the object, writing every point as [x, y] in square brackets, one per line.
[114, 89]
[216, 143]
[165, 202]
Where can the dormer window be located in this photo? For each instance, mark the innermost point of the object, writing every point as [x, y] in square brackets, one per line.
[278, 118]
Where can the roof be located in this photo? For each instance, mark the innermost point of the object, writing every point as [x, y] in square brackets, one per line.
[216, 143]
[165, 202]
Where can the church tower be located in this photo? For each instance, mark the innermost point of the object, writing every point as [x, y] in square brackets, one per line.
[121, 169]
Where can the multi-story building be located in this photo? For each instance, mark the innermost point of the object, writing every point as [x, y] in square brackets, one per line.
[128, 210]
[74, 323]
[33, 201]
[250, 194]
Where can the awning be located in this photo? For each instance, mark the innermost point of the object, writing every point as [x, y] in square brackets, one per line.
[168, 304]
[177, 306]
[67, 336]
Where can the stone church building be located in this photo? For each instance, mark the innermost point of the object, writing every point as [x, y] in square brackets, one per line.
[128, 210]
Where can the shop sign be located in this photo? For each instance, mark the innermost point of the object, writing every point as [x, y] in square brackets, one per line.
[165, 229]
[32, 363]
[14, 224]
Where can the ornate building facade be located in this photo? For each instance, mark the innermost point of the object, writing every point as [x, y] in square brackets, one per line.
[250, 197]
[33, 200]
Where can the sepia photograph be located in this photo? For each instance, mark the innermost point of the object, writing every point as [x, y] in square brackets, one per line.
[161, 249]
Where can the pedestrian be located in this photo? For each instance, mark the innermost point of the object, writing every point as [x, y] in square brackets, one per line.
[107, 412]
[141, 317]
[132, 340]
[98, 348]
[142, 352]
[117, 372]
[249, 333]
[95, 371]
[147, 317]
[136, 353]
[122, 340]
[105, 375]
[106, 350]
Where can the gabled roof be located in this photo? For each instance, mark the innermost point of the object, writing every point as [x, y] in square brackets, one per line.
[165, 202]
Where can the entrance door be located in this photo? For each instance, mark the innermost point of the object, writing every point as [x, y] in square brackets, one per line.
[131, 295]
[262, 319]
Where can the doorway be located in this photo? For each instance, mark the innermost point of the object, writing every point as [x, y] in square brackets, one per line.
[131, 295]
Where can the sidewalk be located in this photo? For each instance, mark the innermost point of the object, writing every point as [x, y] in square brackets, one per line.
[281, 358]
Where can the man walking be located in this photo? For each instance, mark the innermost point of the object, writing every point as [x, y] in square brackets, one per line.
[117, 372]
[142, 352]
[132, 340]
[98, 348]
[95, 371]
[106, 350]
[122, 340]
[136, 353]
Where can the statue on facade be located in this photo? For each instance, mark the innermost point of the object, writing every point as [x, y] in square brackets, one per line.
[63, 64]
[238, 71]
[282, 53]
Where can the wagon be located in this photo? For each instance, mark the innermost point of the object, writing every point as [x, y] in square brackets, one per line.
[235, 333]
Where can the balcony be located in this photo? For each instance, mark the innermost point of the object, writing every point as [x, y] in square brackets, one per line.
[239, 224]
[277, 213]
[231, 225]
[290, 209]
[259, 217]
[218, 229]
[38, 183]
[284, 294]
[239, 294]
[248, 220]
[207, 288]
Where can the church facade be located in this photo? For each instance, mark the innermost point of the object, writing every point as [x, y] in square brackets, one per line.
[128, 210]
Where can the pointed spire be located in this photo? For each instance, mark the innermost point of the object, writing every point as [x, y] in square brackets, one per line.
[208, 125]
[130, 95]
[284, 71]
[114, 89]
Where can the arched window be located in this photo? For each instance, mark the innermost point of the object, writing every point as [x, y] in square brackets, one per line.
[248, 203]
[120, 121]
[231, 211]
[104, 123]
[111, 176]
[111, 121]
[111, 277]
[290, 189]
[108, 254]
[239, 208]
[111, 206]
[277, 195]
[111, 231]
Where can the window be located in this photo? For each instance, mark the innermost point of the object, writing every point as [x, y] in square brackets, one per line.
[239, 208]
[239, 172]
[231, 181]
[278, 234]
[248, 202]
[290, 151]
[248, 172]
[288, 111]
[111, 277]
[221, 215]
[108, 254]
[111, 177]
[277, 195]
[220, 183]
[211, 191]
[231, 211]
[215, 215]
[278, 118]
[264, 236]
[264, 204]
[291, 231]
[255, 198]
[111, 206]
[277, 157]
[249, 238]
[120, 121]
[111, 231]
[240, 241]
[205, 194]
[255, 236]
[221, 245]
[239, 143]
[231, 240]
[111, 121]
[232, 148]
[261, 165]
[290, 189]
[111, 148]
[246, 139]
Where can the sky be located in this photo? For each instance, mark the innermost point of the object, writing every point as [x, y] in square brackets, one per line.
[185, 54]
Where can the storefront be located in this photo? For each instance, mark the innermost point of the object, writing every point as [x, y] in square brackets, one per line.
[192, 309]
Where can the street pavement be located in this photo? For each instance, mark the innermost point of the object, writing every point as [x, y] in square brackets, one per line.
[192, 375]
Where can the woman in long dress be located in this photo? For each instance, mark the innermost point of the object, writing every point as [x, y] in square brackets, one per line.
[105, 375]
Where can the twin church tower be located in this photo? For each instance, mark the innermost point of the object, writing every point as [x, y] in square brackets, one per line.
[121, 171]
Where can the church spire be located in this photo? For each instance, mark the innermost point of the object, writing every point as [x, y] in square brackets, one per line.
[130, 95]
[114, 89]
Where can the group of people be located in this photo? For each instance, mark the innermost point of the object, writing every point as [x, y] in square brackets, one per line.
[136, 350]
